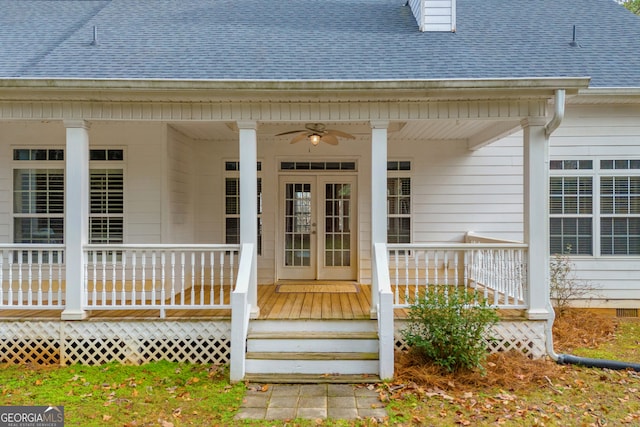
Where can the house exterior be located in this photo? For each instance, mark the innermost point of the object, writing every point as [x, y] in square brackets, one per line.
[473, 140]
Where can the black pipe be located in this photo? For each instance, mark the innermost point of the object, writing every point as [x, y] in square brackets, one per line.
[567, 359]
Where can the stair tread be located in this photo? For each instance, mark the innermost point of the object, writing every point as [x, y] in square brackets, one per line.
[312, 355]
[312, 335]
[312, 378]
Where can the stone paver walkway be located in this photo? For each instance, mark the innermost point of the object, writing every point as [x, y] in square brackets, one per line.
[313, 401]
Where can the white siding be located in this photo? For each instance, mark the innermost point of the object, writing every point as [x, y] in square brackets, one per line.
[456, 190]
[434, 15]
[143, 169]
[16, 135]
[143, 144]
[180, 187]
[613, 132]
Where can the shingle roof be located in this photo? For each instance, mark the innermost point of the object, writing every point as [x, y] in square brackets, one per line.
[316, 40]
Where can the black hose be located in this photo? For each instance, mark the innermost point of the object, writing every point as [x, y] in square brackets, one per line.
[567, 359]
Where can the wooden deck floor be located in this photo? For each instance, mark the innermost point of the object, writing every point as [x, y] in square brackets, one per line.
[273, 305]
[314, 305]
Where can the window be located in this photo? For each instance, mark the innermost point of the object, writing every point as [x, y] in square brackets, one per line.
[571, 205]
[38, 196]
[232, 204]
[620, 207]
[106, 215]
[106, 199]
[595, 210]
[398, 202]
[38, 206]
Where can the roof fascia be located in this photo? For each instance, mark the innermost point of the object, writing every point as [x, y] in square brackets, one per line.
[198, 90]
[602, 95]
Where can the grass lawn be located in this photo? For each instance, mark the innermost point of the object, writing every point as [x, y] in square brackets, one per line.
[514, 391]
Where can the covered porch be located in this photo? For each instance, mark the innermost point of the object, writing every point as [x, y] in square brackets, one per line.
[183, 277]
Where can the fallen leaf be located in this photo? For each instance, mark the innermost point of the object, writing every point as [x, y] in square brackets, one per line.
[106, 417]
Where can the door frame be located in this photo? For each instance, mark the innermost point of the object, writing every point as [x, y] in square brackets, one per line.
[317, 271]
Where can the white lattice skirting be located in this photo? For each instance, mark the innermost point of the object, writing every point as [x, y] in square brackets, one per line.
[136, 342]
[526, 336]
[91, 343]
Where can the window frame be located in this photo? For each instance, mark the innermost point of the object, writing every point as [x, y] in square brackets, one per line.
[397, 169]
[59, 163]
[108, 164]
[597, 173]
[234, 173]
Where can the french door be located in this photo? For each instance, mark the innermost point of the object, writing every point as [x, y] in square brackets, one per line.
[317, 228]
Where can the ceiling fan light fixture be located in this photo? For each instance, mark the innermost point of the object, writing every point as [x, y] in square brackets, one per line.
[314, 138]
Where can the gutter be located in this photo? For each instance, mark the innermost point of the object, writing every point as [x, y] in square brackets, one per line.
[14, 89]
[558, 115]
[568, 359]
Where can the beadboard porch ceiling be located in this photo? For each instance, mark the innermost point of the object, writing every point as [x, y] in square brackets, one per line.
[437, 130]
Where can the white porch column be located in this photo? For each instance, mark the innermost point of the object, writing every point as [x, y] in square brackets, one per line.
[378, 196]
[76, 219]
[249, 202]
[536, 215]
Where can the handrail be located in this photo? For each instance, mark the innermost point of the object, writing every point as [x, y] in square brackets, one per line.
[187, 246]
[472, 237]
[384, 310]
[457, 246]
[240, 313]
[32, 246]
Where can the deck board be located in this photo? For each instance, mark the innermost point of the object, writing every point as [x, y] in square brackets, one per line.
[273, 305]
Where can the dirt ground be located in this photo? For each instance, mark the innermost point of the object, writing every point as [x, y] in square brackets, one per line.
[575, 328]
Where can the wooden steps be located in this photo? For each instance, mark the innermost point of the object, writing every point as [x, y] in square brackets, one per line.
[309, 351]
[312, 379]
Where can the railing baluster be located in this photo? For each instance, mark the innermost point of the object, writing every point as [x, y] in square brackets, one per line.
[173, 278]
[134, 262]
[153, 296]
[50, 275]
[20, 278]
[10, 261]
[222, 269]
[114, 289]
[396, 281]
[231, 265]
[143, 273]
[202, 278]
[193, 278]
[123, 295]
[212, 259]
[163, 294]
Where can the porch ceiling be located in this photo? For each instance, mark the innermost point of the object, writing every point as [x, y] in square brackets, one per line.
[440, 130]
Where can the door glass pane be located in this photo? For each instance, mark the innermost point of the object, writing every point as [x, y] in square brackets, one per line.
[297, 225]
[337, 230]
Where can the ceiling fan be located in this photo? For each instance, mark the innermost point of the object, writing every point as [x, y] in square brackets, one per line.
[317, 132]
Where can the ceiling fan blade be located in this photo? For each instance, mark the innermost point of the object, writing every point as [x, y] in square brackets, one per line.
[340, 134]
[329, 139]
[290, 132]
[299, 137]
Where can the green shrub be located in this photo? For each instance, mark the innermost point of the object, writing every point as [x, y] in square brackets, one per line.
[449, 328]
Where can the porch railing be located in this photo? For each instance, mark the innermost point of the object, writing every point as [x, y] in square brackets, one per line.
[240, 313]
[133, 277]
[32, 276]
[495, 272]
